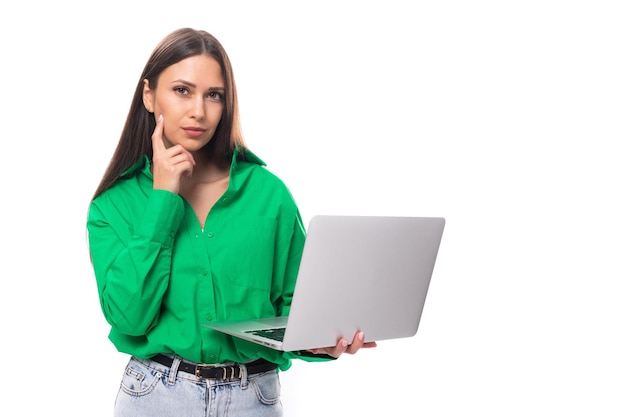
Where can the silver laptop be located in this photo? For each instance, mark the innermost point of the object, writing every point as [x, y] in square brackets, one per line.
[357, 273]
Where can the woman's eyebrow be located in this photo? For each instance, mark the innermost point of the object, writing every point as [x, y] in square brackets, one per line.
[190, 84]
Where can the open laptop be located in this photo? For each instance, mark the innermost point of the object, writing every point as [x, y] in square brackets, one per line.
[357, 273]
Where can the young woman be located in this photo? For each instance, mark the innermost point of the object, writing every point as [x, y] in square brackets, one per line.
[188, 226]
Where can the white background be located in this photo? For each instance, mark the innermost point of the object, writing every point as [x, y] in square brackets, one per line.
[505, 117]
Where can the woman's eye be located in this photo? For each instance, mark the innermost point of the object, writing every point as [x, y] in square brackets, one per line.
[214, 95]
[181, 90]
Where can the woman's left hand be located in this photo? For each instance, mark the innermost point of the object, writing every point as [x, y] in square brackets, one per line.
[343, 346]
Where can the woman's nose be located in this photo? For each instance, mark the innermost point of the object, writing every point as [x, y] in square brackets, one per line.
[197, 110]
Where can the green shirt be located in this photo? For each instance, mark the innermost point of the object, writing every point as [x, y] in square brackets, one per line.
[160, 276]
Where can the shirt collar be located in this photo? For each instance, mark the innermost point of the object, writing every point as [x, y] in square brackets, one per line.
[143, 162]
[244, 154]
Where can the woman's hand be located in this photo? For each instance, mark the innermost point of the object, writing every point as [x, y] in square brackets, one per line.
[343, 346]
[169, 164]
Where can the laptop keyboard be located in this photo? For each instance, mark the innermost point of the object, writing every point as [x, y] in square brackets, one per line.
[274, 334]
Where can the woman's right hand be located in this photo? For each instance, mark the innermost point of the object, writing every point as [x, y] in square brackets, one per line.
[343, 347]
[169, 164]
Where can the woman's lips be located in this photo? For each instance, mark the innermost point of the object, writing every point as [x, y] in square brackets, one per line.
[194, 132]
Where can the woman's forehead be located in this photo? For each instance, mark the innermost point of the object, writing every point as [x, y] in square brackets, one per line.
[199, 70]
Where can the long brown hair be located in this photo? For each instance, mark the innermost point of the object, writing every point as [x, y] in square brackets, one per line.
[135, 140]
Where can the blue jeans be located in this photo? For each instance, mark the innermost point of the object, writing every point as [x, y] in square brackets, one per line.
[151, 389]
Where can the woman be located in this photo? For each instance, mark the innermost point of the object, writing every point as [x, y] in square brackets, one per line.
[186, 227]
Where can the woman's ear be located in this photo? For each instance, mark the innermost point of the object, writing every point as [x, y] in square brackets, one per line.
[148, 96]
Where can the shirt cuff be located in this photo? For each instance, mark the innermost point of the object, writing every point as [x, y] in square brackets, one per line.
[162, 217]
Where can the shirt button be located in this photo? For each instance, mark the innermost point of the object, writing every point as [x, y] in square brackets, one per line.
[212, 357]
[205, 273]
[209, 234]
[209, 317]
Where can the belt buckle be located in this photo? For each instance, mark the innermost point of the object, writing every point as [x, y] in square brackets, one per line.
[201, 366]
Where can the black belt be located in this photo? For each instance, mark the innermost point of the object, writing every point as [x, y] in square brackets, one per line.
[216, 372]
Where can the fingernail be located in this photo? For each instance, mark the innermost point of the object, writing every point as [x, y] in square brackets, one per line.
[160, 117]
[344, 343]
[361, 335]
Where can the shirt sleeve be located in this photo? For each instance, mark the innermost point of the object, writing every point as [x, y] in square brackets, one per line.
[131, 253]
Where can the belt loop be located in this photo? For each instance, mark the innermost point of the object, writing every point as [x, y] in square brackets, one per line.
[173, 370]
[244, 375]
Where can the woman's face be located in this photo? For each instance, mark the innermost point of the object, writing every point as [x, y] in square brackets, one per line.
[189, 95]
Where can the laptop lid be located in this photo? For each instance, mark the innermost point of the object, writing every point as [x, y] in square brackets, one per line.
[357, 273]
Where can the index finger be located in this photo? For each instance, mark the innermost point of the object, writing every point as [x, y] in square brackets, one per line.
[157, 136]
